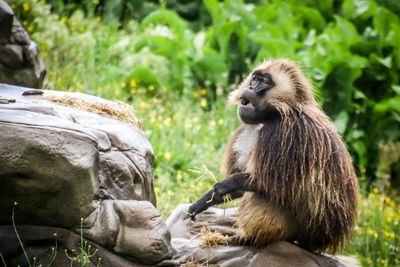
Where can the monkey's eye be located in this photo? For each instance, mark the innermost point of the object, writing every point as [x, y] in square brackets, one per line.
[261, 82]
[263, 78]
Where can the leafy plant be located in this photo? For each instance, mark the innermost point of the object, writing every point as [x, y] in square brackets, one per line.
[83, 256]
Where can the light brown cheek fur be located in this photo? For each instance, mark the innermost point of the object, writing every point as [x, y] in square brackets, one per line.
[263, 222]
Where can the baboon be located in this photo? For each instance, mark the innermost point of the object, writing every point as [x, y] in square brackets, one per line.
[288, 163]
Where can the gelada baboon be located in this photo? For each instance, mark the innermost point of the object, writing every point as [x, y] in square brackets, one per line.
[289, 164]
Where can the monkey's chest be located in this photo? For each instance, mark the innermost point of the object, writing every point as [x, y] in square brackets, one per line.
[243, 147]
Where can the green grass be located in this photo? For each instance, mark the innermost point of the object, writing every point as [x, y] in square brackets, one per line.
[80, 257]
[188, 128]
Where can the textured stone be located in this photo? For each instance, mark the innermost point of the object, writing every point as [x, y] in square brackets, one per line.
[20, 62]
[18, 34]
[185, 239]
[62, 164]
[47, 236]
[6, 22]
[11, 55]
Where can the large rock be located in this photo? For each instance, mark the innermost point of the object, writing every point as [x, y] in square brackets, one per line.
[61, 164]
[191, 250]
[20, 62]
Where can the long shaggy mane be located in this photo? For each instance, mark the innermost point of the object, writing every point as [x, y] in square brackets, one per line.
[302, 165]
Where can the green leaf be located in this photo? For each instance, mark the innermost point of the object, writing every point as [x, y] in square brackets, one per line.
[388, 105]
[358, 8]
[341, 121]
[213, 8]
[396, 88]
[166, 17]
[145, 76]
[386, 24]
[210, 65]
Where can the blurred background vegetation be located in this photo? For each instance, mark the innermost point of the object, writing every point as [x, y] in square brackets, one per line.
[176, 60]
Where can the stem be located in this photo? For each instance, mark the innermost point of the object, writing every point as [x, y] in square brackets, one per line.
[16, 233]
[2, 260]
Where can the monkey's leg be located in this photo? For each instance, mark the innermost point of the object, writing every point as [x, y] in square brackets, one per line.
[235, 185]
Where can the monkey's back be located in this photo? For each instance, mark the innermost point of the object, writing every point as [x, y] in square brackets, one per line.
[307, 186]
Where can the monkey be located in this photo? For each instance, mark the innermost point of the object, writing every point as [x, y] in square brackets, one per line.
[288, 164]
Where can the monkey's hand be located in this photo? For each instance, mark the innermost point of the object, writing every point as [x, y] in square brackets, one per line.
[206, 201]
[234, 185]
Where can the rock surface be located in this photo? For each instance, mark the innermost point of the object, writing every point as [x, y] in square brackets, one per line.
[62, 164]
[20, 62]
[190, 250]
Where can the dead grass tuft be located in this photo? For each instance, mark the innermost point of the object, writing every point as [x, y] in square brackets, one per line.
[116, 110]
[209, 239]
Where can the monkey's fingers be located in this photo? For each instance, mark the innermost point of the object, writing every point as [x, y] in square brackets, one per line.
[206, 201]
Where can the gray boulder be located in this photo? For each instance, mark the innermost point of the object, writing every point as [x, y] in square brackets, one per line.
[20, 62]
[192, 250]
[63, 165]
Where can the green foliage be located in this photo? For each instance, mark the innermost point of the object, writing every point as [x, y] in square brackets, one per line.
[376, 241]
[34, 262]
[176, 73]
[83, 256]
[350, 51]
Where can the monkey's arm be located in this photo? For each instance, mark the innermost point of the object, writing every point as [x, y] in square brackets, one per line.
[235, 185]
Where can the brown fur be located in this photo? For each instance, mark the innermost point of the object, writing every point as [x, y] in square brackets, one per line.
[301, 166]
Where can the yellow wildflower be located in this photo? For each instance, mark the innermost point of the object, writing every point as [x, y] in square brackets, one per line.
[203, 92]
[143, 105]
[388, 201]
[26, 6]
[167, 122]
[151, 88]
[203, 102]
[370, 231]
[157, 189]
[167, 155]
[179, 175]
[132, 83]
[63, 19]
[390, 235]
[375, 190]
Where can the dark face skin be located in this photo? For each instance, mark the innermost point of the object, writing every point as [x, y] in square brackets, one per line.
[251, 109]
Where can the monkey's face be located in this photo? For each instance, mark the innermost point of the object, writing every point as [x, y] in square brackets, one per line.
[252, 108]
[272, 88]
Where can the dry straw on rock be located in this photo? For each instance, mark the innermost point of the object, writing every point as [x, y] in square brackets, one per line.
[210, 238]
[116, 110]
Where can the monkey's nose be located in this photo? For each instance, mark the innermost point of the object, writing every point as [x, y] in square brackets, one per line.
[248, 96]
[244, 101]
